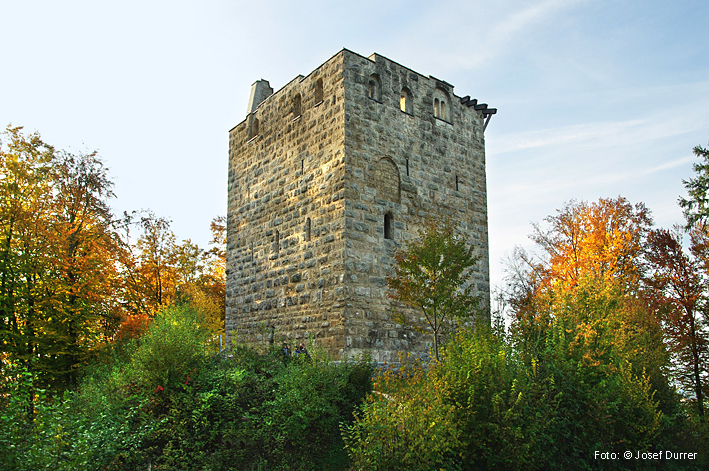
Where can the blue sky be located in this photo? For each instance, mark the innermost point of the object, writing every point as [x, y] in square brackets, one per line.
[595, 98]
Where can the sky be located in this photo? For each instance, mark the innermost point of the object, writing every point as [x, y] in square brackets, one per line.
[595, 98]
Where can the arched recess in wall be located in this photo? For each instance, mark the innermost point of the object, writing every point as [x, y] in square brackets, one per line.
[441, 105]
[405, 102]
[374, 88]
[387, 181]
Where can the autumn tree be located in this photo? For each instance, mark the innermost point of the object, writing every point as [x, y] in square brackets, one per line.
[207, 292]
[589, 283]
[434, 274]
[25, 200]
[602, 240]
[58, 260]
[158, 272]
[84, 314]
[680, 286]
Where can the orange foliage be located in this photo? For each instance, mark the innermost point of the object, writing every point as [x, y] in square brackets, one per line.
[133, 326]
[602, 240]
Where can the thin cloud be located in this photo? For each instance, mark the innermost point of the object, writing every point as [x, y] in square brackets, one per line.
[666, 123]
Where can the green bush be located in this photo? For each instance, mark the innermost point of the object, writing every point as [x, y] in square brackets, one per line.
[487, 406]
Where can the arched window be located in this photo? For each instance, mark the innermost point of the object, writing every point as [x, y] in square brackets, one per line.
[405, 101]
[388, 229]
[374, 88]
[318, 92]
[296, 106]
[307, 229]
[440, 105]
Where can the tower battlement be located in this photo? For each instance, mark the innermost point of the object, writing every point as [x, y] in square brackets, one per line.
[328, 176]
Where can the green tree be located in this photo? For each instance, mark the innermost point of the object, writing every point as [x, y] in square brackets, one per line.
[696, 207]
[434, 274]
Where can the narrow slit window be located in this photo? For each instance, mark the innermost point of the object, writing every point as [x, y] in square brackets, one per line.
[387, 226]
[278, 242]
[456, 183]
[296, 106]
[405, 101]
[443, 110]
[407, 167]
[254, 129]
[307, 229]
[318, 91]
[436, 108]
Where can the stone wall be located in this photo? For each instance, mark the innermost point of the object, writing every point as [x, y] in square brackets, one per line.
[307, 250]
[292, 171]
[440, 167]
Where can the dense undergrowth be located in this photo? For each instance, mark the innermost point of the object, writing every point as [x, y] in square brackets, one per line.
[168, 403]
[548, 395]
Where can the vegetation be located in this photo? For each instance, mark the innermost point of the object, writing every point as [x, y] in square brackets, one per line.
[167, 402]
[110, 359]
[608, 329]
[433, 274]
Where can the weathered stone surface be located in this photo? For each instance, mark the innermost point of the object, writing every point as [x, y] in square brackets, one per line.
[326, 183]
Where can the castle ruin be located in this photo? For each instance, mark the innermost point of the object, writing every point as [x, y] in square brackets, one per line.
[328, 176]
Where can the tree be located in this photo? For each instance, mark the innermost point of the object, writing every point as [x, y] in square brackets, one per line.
[25, 179]
[57, 257]
[83, 314]
[600, 240]
[433, 274]
[696, 208]
[158, 271]
[681, 287]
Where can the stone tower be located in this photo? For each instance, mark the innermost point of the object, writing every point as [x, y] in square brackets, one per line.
[328, 176]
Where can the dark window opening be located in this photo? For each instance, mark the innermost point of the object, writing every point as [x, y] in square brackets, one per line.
[407, 167]
[302, 166]
[296, 106]
[318, 92]
[456, 183]
[278, 242]
[387, 226]
[307, 230]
